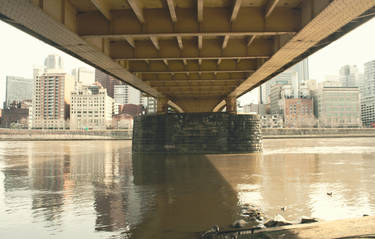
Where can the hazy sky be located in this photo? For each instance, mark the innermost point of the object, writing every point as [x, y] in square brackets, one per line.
[19, 52]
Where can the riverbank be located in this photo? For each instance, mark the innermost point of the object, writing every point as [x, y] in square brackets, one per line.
[40, 135]
[345, 228]
[268, 133]
[280, 133]
[350, 228]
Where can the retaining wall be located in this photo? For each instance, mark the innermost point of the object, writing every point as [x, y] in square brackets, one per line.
[317, 132]
[20, 134]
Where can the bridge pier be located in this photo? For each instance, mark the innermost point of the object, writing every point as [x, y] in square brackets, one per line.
[231, 104]
[197, 133]
[162, 105]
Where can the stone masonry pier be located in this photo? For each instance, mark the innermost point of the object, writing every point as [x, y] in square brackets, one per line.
[197, 133]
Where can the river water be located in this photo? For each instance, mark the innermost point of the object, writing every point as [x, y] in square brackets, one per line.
[97, 189]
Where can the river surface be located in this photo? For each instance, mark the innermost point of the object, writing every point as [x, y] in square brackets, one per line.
[97, 189]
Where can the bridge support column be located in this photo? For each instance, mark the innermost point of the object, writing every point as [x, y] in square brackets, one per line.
[162, 105]
[231, 104]
[197, 133]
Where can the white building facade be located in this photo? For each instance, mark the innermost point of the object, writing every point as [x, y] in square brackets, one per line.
[368, 95]
[125, 94]
[338, 107]
[83, 76]
[91, 108]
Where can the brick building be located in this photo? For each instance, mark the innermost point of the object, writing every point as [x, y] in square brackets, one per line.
[299, 113]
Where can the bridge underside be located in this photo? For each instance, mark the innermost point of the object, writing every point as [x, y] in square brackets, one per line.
[196, 55]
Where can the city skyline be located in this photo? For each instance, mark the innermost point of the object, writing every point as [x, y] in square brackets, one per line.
[355, 48]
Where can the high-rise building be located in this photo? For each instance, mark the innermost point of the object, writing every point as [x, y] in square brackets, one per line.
[349, 76]
[278, 93]
[125, 94]
[294, 76]
[148, 102]
[53, 63]
[91, 108]
[83, 76]
[302, 69]
[368, 95]
[17, 90]
[338, 107]
[108, 82]
[51, 100]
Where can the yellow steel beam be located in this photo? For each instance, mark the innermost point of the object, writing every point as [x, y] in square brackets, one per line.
[179, 41]
[172, 10]
[155, 42]
[193, 71]
[137, 9]
[250, 40]
[195, 81]
[130, 41]
[169, 49]
[103, 7]
[250, 21]
[200, 10]
[236, 9]
[271, 5]
[225, 41]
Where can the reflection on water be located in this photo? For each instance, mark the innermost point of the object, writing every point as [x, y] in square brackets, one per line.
[97, 189]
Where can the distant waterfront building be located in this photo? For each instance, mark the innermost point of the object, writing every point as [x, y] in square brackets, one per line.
[16, 115]
[17, 89]
[298, 113]
[368, 95]
[108, 82]
[338, 107]
[261, 109]
[295, 76]
[122, 121]
[288, 77]
[329, 83]
[125, 94]
[278, 93]
[272, 121]
[83, 76]
[349, 76]
[91, 108]
[51, 100]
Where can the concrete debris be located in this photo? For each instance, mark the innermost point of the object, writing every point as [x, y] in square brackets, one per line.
[305, 219]
[278, 221]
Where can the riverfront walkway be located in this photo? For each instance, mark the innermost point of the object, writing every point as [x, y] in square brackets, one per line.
[340, 229]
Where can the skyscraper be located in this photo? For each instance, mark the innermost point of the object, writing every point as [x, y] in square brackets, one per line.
[295, 76]
[51, 100]
[148, 102]
[83, 76]
[108, 82]
[368, 95]
[17, 89]
[125, 94]
[53, 63]
[349, 76]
